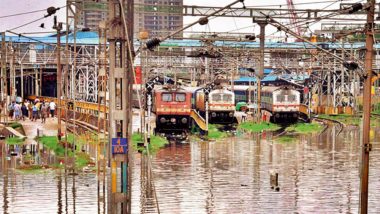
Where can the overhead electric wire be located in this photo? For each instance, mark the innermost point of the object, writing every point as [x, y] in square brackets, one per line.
[20, 14]
[36, 20]
[303, 3]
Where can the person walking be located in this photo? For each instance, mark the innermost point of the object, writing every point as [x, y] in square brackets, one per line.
[52, 106]
[16, 112]
[24, 111]
[30, 110]
[35, 112]
[44, 112]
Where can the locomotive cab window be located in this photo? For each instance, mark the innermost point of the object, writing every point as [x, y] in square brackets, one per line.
[227, 97]
[216, 97]
[280, 98]
[291, 98]
[166, 97]
[180, 97]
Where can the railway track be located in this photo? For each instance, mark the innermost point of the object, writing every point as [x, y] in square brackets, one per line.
[328, 122]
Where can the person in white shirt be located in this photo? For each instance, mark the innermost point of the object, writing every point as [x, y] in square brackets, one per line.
[52, 108]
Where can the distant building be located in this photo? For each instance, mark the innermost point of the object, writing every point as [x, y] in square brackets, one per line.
[158, 17]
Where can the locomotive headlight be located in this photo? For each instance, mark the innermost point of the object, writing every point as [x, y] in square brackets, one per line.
[231, 114]
[173, 120]
[184, 120]
[213, 114]
[163, 120]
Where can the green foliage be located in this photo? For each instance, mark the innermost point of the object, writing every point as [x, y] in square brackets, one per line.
[82, 159]
[30, 169]
[286, 139]
[343, 118]
[14, 141]
[156, 143]
[15, 125]
[51, 142]
[305, 128]
[377, 109]
[258, 127]
[214, 133]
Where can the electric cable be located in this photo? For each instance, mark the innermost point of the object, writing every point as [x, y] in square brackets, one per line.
[20, 14]
[50, 10]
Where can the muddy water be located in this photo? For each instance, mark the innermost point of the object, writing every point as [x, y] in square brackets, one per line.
[317, 174]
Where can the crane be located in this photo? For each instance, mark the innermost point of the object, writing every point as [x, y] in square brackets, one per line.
[293, 17]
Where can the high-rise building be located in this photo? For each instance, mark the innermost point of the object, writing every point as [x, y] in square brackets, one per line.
[157, 17]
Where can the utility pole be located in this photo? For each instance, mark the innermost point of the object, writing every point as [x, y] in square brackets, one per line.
[58, 27]
[4, 83]
[262, 24]
[120, 80]
[366, 145]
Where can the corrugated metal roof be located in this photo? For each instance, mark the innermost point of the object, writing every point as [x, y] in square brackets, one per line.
[91, 38]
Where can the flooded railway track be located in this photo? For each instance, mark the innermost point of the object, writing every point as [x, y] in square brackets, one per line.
[328, 122]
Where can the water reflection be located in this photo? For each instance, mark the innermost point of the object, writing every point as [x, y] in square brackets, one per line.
[317, 174]
[48, 193]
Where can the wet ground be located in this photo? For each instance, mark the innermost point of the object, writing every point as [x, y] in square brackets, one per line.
[317, 174]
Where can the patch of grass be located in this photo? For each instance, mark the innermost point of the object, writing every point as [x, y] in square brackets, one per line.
[286, 139]
[51, 142]
[156, 143]
[214, 133]
[305, 128]
[15, 125]
[82, 159]
[350, 119]
[377, 108]
[31, 169]
[14, 141]
[258, 127]
[343, 118]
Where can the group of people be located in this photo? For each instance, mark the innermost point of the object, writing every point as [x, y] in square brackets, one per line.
[32, 110]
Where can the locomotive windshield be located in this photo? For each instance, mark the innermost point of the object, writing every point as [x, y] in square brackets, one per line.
[227, 97]
[217, 97]
[291, 98]
[166, 97]
[180, 97]
[222, 97]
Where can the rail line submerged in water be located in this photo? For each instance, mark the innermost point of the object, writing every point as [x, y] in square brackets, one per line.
[328, 123]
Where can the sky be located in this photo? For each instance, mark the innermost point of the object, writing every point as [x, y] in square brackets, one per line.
[220, 24]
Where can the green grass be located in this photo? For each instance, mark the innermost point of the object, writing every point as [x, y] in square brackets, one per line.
[350, 119]
[286, 139]
[51, 142]
[343, 118]
[15, 125]
[14, 141]
[305, 128]
[82, 159]
[214, 133]
[30, 169]
[377, 109]
[156, 143]
[258, 127]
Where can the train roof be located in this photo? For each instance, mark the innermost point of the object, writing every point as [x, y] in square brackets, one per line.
[242, 87]
[163, 88]
[275, 88]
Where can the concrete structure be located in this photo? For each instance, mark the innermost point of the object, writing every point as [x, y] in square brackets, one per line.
[158, 17]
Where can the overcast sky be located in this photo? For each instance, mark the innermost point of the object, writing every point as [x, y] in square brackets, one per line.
[8, 7]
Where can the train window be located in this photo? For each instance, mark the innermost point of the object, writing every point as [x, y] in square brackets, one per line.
[216, 97]
[167, 97]
[291, 98]
[280, 98]
[227, 97]
[180, 97]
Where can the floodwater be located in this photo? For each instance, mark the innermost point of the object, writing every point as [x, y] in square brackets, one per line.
[317, 174]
